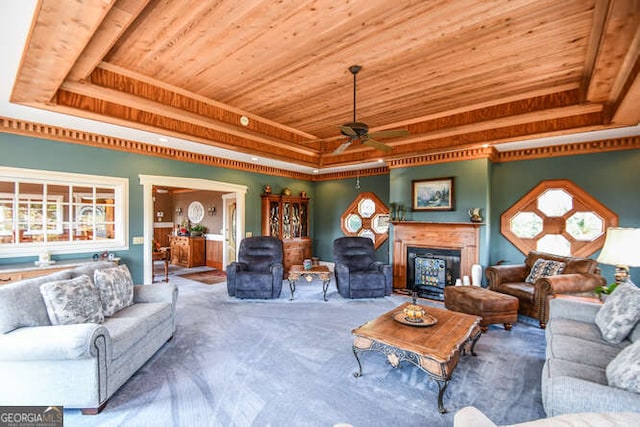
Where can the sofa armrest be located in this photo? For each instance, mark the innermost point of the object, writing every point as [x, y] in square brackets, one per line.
[546, 288]
[277, 271]
[59, 342]
[567, 395]
[580, 311]
[499, 274]
[157, 292]
[568, 283]
[387, 271]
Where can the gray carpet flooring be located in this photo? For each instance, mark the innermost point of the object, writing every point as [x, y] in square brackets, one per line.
[289, 363]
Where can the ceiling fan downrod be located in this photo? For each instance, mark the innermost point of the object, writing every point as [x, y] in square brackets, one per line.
[354, 70]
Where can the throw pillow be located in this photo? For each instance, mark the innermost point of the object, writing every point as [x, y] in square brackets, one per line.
[624, 370]
[72, 301]
[115, 287]
[544, 268]
[619, 313]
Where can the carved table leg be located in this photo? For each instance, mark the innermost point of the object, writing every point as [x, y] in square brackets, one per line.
[325, 287]
[442, 386]
[359, 373]
[292, 286]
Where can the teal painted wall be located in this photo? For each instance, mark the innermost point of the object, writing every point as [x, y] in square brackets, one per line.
[36, 153]
[471, 190]
[613, 178]
[332, 199]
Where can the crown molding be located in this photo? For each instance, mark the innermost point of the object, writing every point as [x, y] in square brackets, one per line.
[56, 133]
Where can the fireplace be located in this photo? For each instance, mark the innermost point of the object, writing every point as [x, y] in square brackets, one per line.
[429, 270]
[424, 238]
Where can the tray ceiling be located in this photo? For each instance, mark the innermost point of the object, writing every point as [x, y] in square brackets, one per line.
[455, 74]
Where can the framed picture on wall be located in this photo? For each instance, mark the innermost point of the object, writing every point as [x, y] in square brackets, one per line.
[432, 194]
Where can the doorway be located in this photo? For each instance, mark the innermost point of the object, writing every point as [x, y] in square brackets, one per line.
[230, 207]
[232, 191]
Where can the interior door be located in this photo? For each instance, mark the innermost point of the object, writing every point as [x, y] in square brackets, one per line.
[230, 222]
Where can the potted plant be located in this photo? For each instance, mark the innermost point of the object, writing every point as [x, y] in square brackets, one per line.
[197, 230]
[603, 291]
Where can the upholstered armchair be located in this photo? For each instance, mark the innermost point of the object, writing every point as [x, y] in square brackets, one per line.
[580, 276]
[258, 272]
[358, 274]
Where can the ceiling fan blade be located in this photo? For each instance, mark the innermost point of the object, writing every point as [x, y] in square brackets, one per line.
[342, 147]
[346, 130]
[392, 133]
[376, 144]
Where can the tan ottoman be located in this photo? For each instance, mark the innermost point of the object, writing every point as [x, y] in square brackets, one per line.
[493, 307]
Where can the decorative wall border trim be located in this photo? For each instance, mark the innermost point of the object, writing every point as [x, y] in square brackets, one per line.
[446, 157]
[26, 128]
[588, 147]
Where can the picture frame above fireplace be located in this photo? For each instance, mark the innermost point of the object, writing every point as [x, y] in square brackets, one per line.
[436, 194]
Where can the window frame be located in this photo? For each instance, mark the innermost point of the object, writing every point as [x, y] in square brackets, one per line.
[367, 222]
[120, 187]
[551, 225]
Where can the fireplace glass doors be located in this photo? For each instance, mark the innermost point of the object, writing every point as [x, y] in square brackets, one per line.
[429, 270]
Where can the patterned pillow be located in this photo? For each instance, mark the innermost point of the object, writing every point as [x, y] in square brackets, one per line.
[544, 268]
[72, 301]
[624, 371]
[115, 287]
[619, 313]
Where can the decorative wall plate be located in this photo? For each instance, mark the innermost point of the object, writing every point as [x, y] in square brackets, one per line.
[195, 212]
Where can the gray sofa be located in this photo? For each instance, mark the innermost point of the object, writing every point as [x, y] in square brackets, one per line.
[574, 377]
[472, 417]
[77, 365]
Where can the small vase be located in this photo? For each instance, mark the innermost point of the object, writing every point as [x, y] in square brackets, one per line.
[476, 274]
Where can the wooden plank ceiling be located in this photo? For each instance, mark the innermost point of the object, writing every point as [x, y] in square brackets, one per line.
[455, 74]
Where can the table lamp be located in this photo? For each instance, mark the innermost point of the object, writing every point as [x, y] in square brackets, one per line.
[622, 249]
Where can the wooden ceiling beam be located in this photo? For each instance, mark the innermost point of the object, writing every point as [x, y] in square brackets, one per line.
[119, 18]
[617, 55]
[59, 33]
[141, 104]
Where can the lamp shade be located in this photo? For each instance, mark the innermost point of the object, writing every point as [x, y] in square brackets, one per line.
[621, 247]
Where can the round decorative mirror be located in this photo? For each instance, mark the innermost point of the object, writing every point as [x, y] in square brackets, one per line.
[195, 212]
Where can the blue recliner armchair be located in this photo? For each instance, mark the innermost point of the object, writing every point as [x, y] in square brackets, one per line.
[358, 274]
[259, 271]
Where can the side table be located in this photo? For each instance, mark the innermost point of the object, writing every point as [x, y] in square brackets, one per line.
[322, 271]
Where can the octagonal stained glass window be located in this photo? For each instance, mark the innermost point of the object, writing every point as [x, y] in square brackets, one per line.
[555, 202]
[526, 225]
[353, 223]
[366, 208]
[368, 233]
[558, 217]
[584, 226]
[380, 223]
[554, 244]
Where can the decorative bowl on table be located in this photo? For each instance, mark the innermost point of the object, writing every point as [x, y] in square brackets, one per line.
[414, 313]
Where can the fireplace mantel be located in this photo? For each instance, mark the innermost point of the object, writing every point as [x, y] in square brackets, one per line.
[464, 236]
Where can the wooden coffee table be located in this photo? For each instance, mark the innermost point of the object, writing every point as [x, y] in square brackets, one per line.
[321, 271]
[434, 349]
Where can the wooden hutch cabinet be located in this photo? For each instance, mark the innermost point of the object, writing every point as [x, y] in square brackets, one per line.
[287, 217]
[187, 251]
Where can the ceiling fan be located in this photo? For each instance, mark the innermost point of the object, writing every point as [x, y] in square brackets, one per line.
[360, 131]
